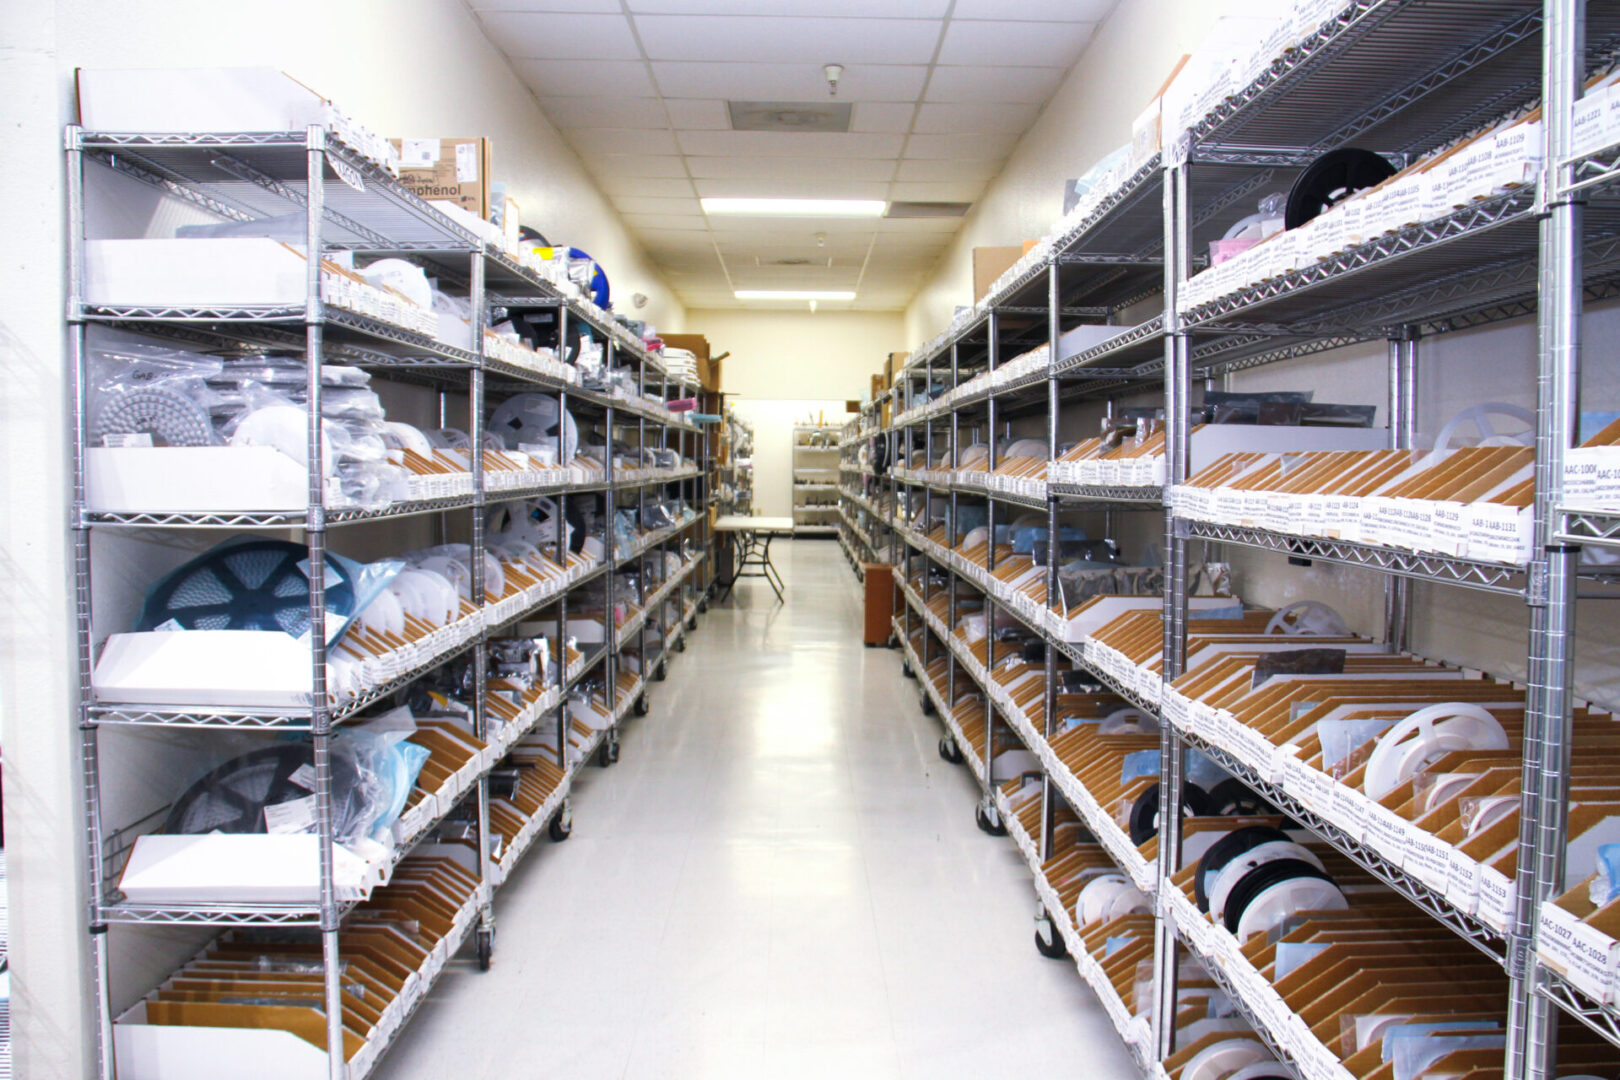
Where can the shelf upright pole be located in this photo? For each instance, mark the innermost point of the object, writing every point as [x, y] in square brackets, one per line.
[1054, 331]
[953, 451]
[475, 405]
[992, 328]
[1532, 1019]
[1177, 391]
[1402, 434]
[563, 809]
[610, 629]
[927, 510]
[315, 539]
[89, 735]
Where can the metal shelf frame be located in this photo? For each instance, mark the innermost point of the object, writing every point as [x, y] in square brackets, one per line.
[1403, 77]
[247, 176]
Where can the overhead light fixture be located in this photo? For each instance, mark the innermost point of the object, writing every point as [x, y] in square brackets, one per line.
[796, 207]
[792, 294]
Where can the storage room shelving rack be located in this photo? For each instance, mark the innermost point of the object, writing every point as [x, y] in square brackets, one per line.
[815, 477]
[349, 203]
[863, 529]
[1401, 77]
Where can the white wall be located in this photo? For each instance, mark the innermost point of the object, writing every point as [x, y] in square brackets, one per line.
[402, 67]
[789, 354]
[773, 420]
[1088, 117]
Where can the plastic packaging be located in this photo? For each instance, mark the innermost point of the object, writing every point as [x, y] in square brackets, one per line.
[144, 389]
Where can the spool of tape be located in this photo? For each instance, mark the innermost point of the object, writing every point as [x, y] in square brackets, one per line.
[408, 437]
[165, 414]
[1219, 1060]
[1426, 735]
[1094, 900]
[1227, 848]
[1229, 882]
[1276, 893]
[286, 428]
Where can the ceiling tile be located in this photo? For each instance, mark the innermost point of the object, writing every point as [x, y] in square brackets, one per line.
[797, 169]
[949, 191]
[788, 82]
[789, 189]
[861, 9]
[631, 204]
[789, 144]
[678, 222]
[698, 114]
[913, 243]
[1038, 10]
[602, 6]
[741, 237]
[676, 241]
[1027, 44]
[951, 171]
[903, 226]
[982, 147]
[594, 112]
[648, 165]
[882, 116]
[963, 118]
[646, 187]
[787, 39]
[1030, 86]
[592, 141]
[586, 78]
[562, 36]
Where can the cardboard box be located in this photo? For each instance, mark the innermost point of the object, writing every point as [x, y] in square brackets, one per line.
[698, 346]
[989, 263]
[878, 386]
[447, 170]
[195, 99]
[896, 362]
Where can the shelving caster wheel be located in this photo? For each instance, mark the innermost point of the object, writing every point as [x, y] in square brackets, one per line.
[691, 624]
[989, 820]
[949, 750]
[608, 753]
[562, 826]
[661, 672]
[1048, 942]
[892, 643]
[703, 606]
[926, 702]
[486, 949]
[680, 644]
[642, 706]
[905, 669]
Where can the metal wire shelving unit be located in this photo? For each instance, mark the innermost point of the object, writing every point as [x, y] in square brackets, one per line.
[1402, 77]
[349, 204]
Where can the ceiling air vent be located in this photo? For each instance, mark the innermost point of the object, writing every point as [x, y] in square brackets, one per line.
[787, 262]
[801, 116]
[927, 209]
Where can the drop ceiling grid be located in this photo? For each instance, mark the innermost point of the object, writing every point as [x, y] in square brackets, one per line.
[942, 92]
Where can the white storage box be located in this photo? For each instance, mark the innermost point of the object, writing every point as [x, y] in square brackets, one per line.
[236, 868]
[146, 479]
[196, 99]
[212, 272]
[215, 668]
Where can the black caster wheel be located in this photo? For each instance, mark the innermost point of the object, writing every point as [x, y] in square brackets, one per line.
[949, 750]
[905, 669]
[926, 702]
[642, 706]
[1054, 949]
[562, 826]
[892, 643]
[987, 824]
[680, 644]
[703, 605]
[486, 951]
[608, 753]
[661, 672]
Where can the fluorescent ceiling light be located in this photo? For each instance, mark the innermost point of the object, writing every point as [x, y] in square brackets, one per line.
[792, 294]
[796, 207]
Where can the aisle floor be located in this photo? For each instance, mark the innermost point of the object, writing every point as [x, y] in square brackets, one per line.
[779, 878]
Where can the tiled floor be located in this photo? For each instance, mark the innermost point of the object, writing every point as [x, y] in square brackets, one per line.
[780, 878]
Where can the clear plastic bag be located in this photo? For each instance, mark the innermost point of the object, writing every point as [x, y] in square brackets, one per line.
[141, 390]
